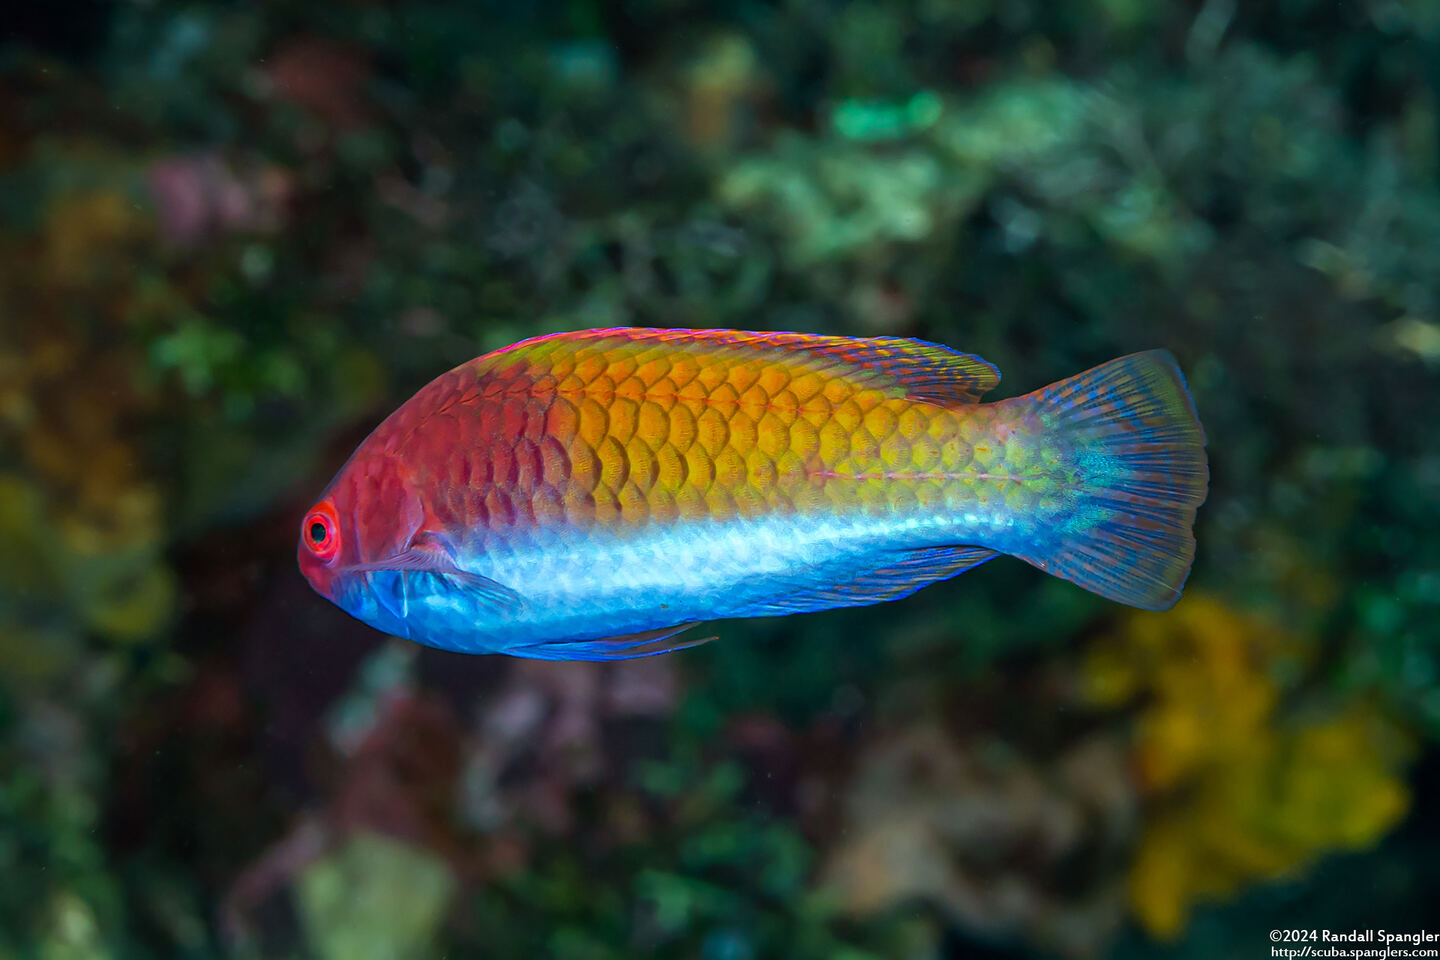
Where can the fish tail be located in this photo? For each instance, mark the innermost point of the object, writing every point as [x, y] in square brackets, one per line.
[1136, 452]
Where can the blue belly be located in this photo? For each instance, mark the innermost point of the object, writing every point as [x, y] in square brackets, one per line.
[597, 585]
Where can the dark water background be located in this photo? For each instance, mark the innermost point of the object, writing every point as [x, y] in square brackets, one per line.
[234, 235]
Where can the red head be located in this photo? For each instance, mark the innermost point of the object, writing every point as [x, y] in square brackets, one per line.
[367, 515]
[323, 542]
[396, 487]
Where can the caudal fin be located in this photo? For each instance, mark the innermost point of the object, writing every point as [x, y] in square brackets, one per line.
[1139, 457]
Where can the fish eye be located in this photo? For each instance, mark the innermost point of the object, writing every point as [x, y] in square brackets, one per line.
[321, 531]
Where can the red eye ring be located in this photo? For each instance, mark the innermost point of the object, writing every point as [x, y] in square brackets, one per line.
[321, 531]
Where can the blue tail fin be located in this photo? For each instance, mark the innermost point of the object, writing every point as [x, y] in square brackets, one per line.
[1139, 459]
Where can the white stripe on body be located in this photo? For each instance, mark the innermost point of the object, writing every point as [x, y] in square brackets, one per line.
[598, 584]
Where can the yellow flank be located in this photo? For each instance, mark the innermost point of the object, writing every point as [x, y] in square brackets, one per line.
[682, 430]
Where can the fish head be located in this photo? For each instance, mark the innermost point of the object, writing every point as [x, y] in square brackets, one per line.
[369, 512]
[325, 547]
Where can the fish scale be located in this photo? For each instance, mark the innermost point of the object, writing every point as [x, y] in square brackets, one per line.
[576, 487]
[752, 435]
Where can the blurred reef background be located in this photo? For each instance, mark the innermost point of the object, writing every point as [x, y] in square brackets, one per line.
[233, 236]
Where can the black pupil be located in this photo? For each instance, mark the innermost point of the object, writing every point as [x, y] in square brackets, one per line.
[317, 532]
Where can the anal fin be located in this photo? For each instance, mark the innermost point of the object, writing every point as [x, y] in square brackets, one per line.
[647, 643]
[897, 575]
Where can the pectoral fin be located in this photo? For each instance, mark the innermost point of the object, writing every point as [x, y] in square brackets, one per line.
[427, 560]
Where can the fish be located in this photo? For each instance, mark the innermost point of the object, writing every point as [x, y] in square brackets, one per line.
[592, 495]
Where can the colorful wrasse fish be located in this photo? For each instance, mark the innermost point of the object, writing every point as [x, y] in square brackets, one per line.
[590, 495]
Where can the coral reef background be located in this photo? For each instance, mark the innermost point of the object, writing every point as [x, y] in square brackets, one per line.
[234, 236]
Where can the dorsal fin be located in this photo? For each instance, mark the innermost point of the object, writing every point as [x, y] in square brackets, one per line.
[917, 369]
